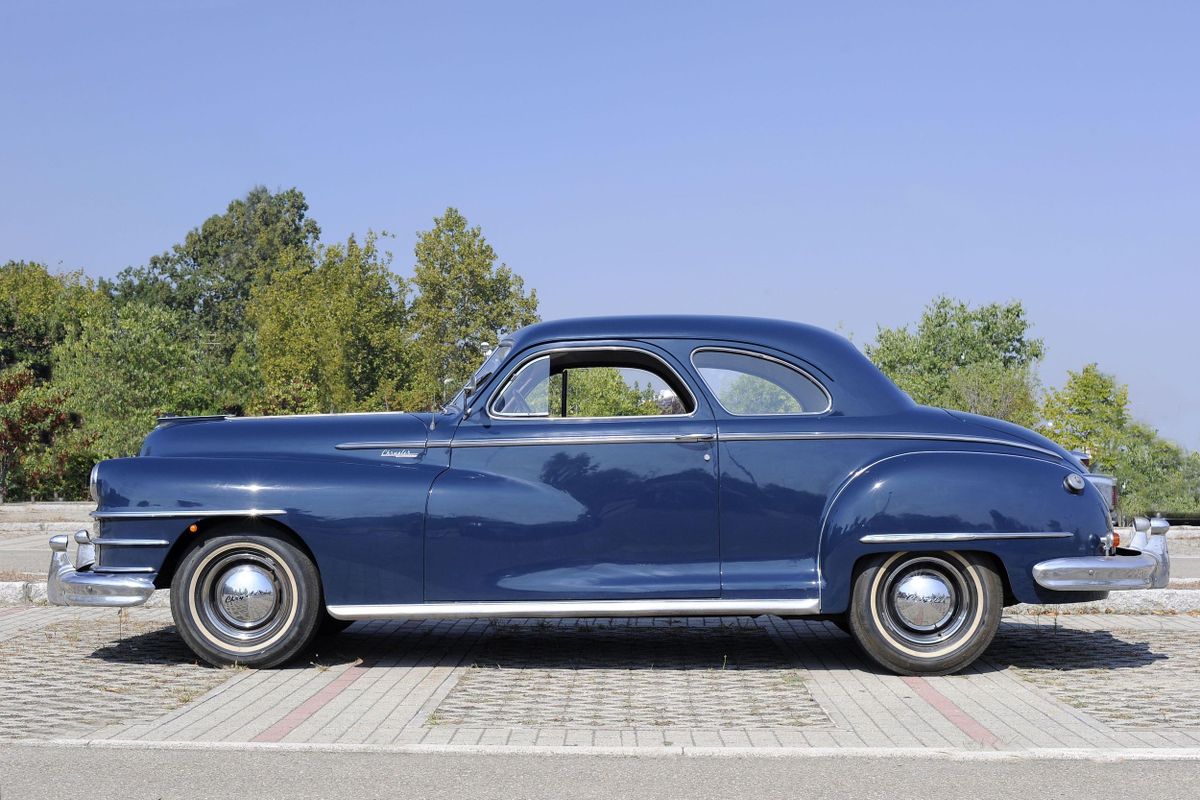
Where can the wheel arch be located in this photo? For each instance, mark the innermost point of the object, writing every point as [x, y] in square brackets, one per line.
[216, 526]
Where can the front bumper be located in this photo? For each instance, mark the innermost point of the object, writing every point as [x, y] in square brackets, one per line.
[1145, 564]
[68, 586]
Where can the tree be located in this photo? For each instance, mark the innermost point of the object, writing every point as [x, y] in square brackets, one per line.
[463, 301]
[132, 364]
[979, 360]
[1155, 475]
[210, 277]
[212, 272]
[750, 394]
[1090, 413]
[331, 334]
[600, 392]
[31, 414]
[38, 310]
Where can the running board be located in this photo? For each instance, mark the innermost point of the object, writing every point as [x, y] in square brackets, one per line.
[577, 608]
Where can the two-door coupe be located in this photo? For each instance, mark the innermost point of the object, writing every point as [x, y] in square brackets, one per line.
[626, 466]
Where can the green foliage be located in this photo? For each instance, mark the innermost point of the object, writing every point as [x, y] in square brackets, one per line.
[210, 276]
[750, 394]
[38, 310]
[979, 360]
[31, 415]
[249, 313]
[1090, 413]
[1156, 475]
[600, 392]
[331, 331]
[212, 272]
[132, 364]
[464, 299]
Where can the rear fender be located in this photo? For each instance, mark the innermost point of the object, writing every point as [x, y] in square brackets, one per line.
[1014, 507]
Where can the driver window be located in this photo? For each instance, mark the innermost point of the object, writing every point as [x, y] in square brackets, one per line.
[591, 384]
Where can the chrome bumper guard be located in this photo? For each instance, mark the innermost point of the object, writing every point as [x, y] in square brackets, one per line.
[77, 585]
[1145, 564]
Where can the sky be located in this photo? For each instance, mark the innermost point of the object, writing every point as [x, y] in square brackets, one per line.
[839, 164]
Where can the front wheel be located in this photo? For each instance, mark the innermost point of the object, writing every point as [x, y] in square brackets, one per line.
[926, 613]
[246, 598]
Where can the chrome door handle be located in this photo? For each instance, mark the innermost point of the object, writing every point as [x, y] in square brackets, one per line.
[695, 437]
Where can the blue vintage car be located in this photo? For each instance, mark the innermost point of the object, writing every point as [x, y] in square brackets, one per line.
[625, 466]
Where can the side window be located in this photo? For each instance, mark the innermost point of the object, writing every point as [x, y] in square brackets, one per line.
[593, 383]
[751, 385]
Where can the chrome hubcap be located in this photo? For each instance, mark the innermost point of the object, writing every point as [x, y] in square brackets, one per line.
[246, 595]
[923, 600]
[242, 596]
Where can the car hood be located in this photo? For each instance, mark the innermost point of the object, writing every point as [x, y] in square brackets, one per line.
[287, 436]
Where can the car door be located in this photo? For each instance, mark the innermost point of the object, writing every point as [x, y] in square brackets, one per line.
[776, 476]
[588, 472]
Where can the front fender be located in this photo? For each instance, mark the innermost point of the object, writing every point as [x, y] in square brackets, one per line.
[977, 493]
[362, 521]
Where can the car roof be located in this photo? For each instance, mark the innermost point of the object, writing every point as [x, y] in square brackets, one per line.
[862, 386]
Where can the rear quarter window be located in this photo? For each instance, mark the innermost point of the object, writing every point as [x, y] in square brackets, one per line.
[748, 384]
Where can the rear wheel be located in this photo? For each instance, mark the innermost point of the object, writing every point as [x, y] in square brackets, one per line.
[246, 598]
[926, 613]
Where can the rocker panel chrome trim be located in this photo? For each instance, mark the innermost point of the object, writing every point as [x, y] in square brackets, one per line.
[130, 542]
[188, 513]
[576, 608]
[912, 538]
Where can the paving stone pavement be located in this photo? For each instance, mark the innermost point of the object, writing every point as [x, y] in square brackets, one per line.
[1094, 682]
[605, 675]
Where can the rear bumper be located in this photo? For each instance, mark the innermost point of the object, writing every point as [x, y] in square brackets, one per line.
[68, 586]
[1145, 564]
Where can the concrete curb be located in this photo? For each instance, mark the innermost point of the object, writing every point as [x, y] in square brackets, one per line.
[672, 751]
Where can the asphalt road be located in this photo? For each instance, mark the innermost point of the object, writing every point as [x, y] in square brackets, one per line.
[132, 774]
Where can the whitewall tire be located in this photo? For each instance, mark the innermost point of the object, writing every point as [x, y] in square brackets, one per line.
[250, 598]
[920, 613]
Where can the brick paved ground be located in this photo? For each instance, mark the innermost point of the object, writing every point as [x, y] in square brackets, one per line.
[1076, 682]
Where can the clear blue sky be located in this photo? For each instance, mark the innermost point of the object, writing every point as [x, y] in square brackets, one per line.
[824, 162]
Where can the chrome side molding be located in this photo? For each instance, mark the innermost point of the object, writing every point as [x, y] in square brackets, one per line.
[577, 608]
[189, 513]
[916, 538]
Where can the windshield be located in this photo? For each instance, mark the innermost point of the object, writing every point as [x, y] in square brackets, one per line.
[489, 367]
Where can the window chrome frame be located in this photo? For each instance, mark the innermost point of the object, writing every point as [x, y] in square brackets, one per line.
[755, 354]
[598, 348]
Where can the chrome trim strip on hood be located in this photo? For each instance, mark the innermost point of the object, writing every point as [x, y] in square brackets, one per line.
[399, 445]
